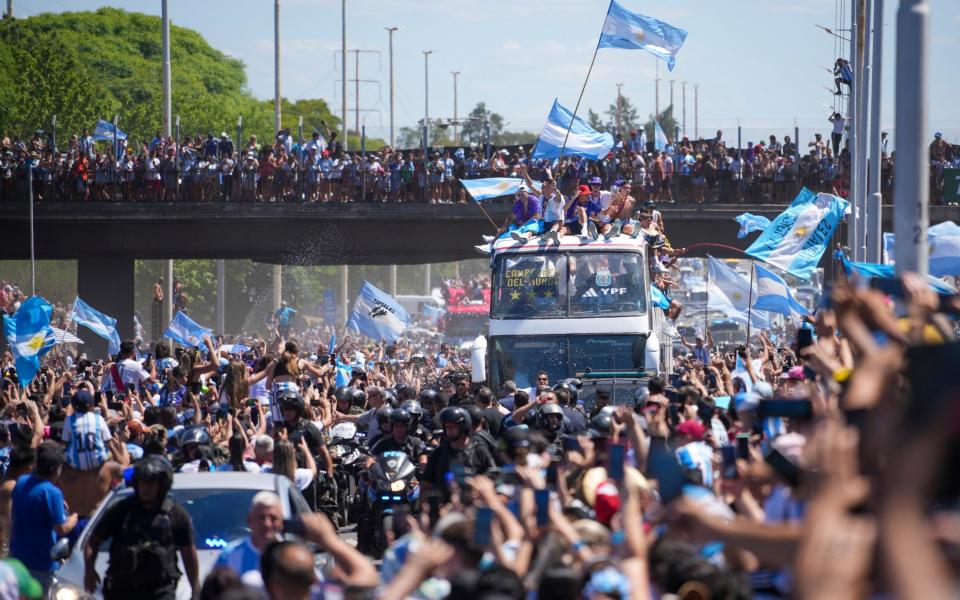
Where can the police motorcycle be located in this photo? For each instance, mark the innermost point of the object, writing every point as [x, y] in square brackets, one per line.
[390, 483]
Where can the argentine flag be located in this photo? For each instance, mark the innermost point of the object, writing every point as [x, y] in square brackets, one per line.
[97, 322]
[583, 140]
[871, 270]
[944, 249]
[729, 293]
[658, 298]
[773, 295]
[660, 140]
[185, 331]
[27, 332]
[103, 130]
[632, 31]
[377, 315]
[750, 223]
[491, 187]
[798, 237]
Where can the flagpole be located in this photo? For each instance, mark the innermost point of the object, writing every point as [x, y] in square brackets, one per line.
[584, 88]
[750, 307]
[487, 215]
[706, 310]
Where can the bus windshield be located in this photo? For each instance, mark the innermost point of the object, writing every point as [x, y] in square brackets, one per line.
[520, 357]
[577, 284]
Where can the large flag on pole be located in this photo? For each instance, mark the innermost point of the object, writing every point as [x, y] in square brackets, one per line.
[660, 140]
[97, 322]
[750, 223]
[774, 296]
[798, 237]
[632, 31]
[583, 140]
[491, 187]
[944, 242]
[26, 332]
[729, 293]
[185, 331]
[377, 315]
[871, 270]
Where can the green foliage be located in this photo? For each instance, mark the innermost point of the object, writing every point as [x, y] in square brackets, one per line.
[629, 119]
[667, 121]
[87, 65]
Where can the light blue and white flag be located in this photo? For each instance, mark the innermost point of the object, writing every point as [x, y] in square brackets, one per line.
[186, 331]
[27, 333]
[729, 293]
[583, 140]
[492, 187]
[103, 130]
[750, 223]
[799, 236]
[773, 295]
[377, 315]
[632, 31]
[660, 140]
[97, 322]
[657, 297]
[871, 270]
[943, 241]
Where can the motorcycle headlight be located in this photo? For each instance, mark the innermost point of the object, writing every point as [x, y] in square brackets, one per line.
[397, 486]
[65, 591]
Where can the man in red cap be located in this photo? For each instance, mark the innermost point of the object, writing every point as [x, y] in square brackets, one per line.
[580, 211]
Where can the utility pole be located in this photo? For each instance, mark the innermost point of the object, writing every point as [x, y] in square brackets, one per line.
[671, 97]
[456, 133]
[277, 269]
[343, 74]
[356, 88]
[874, 196]
[393, 139]
[911, 195]
[696, 111]
[620, 131]
[426, 93]
[9, 14]
[683, 86]
[167, 112]
[853, 136]
[656, 92]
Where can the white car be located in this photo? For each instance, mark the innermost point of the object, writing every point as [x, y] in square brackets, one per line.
[217, 504]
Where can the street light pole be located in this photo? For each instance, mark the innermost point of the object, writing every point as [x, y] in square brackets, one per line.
[167, 103]
[426, 93]
[343, 76]
[672, 112]
[456, 133]
[656, 92]
[696, 111]
[393, 140]
[619, 85]
[874, 196]
[276, 65]
[683, 87]
[910, 208]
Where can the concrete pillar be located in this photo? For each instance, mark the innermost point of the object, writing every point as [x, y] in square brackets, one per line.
[344, 293]
[277, 286]
[221, 296]
[393, 280]
[107, 284]
[426, 280]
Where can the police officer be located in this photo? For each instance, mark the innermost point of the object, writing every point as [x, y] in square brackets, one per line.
[417, 428]
[455, 452]
[399, 439]
[147, 530]
[293, 410]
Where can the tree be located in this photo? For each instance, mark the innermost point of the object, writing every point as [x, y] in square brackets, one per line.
[474, 130]
[667, 122]
[629, 119]
[412, 138]
[593, 120]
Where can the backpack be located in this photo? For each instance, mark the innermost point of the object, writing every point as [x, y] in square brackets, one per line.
[146, 554]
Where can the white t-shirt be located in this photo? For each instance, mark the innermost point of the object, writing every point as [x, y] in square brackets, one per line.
[131, 373]
[301, 477]
[553, 208]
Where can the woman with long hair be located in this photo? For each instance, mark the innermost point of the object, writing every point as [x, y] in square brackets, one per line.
[284, 374]
[236, 385]
[285, 463]
[237, 445]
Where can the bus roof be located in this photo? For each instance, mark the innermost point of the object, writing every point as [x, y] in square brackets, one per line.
[576, 243]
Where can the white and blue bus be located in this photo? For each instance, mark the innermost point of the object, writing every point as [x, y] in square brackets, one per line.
[580, 308]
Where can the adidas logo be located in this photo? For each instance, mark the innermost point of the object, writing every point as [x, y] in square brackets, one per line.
[591, 293]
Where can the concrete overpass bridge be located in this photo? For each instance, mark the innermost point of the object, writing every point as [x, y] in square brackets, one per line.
[106, 237]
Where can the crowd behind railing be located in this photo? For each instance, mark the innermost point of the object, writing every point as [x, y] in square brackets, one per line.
[207, 169]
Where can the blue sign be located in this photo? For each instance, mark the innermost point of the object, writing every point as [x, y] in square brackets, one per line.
[329, 308]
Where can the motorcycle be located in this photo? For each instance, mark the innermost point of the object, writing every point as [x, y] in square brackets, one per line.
[347, 451]
[392, 483]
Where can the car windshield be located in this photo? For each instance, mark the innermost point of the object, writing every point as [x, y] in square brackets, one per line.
[219, 516]
[530, 286]
[606, 283]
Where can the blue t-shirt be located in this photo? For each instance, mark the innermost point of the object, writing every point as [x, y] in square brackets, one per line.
[37, 509]
[283, 315]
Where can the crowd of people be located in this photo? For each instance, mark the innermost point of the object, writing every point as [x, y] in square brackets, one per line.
[210, 168]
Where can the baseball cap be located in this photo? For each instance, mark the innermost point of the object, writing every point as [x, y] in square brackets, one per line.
[82, 397]
[583, 190]
[595, 180]
[938, 135]
[136, 426]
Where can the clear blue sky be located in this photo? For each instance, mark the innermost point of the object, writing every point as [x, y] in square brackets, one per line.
[760, 61]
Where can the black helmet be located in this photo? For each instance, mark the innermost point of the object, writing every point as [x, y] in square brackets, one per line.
[570, 388]
[413, 407]
[513, 441]
[357, 397]
[428, 396]
[640, 396]
[153, 468]
[290, 400]
[341, 393]
[400, 416]
[383, 412]
[455, 415]
[543, 414]
[601, 426]
[476, 415]
[196, 434]
[389, 397]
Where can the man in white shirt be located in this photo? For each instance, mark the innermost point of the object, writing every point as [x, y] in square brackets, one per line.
[265, 521]
[127, 372]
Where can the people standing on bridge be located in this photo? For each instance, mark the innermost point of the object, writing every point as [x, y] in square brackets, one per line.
[282, 319]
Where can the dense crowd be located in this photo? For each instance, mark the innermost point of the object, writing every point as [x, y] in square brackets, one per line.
[210, 168]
